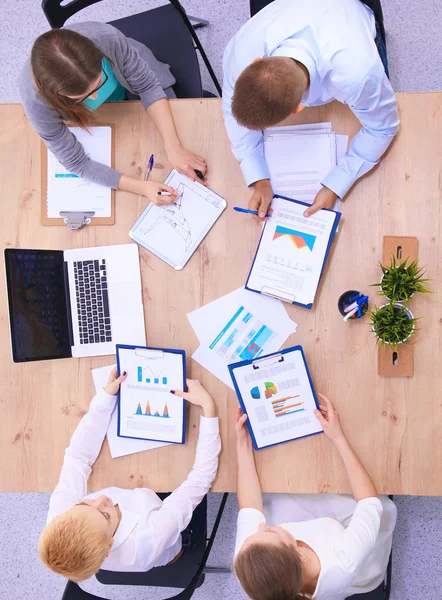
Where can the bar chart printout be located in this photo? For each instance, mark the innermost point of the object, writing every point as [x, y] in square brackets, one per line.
[147, 409]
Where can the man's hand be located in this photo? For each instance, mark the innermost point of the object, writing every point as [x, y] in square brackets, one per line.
[325, 198]
[198, 395]
[261, 199]
[243, 441]
[186, 162]
[113, 383]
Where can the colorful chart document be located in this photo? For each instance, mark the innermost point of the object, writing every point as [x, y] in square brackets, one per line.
[292, 252]
[173, 232]
[238, 326]
[146, 408]
[277, 394]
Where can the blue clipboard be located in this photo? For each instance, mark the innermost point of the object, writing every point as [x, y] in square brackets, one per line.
[168, 351]
[282, 354]
[330, 242]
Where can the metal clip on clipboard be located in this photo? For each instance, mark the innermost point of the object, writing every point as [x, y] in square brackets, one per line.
[77, 220]
[149, 354]
[263, 362]
[268, 291]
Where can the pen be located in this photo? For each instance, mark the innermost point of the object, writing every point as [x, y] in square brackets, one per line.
[149, 167]
[164, 193]
[249, 212]
[350, 314]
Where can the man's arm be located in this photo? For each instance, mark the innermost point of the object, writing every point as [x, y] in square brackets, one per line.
[374, 104]
[84, 448]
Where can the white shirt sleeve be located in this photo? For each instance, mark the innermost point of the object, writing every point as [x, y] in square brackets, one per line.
[358, 540]
[81, 454]
[374, 104]
[249, 519]
[247, 145]
[163, 527]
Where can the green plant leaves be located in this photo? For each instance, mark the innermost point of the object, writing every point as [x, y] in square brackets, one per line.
[400, 282]
[392, 324]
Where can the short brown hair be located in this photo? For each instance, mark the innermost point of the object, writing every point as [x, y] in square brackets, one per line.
[71, 547]
[65, 63]
[270, 572]
[267, 92]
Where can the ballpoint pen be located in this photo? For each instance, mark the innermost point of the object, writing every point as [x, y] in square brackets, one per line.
[149, 167]
[249, 212]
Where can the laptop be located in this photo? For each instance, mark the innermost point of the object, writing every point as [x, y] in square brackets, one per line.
[77, 303]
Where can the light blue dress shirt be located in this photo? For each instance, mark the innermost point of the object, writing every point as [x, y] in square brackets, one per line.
[334, 40]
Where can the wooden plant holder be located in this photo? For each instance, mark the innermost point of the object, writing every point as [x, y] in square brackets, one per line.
[400, 362]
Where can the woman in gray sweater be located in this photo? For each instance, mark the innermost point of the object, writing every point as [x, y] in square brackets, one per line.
[72, 71]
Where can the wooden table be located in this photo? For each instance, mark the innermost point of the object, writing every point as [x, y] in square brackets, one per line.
[395, 425]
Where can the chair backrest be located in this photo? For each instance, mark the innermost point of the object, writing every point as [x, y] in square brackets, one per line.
[73, 591]
[155, 29]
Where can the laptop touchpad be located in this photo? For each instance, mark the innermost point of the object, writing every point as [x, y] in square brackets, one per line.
[126, 298]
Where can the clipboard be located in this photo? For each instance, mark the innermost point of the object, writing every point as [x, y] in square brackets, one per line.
[267, 364]
[268, 291]
[159, 354]
[45, 220]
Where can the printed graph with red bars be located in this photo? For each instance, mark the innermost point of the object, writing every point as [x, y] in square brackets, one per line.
[300, 240]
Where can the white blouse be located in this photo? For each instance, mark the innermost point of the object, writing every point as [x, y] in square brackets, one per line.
[352, 540]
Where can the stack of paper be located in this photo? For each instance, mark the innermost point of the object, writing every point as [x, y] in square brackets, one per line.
[300, 156]
[71, 193]
[239, 326]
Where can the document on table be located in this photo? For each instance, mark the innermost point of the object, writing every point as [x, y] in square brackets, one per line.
[241, 325]
[292, 252]
[173, 232]
[146, 408]
[277, 394]
[119, 446]
[71, 193]
[300, 156]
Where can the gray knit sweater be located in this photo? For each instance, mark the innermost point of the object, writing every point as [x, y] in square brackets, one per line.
[135, 68]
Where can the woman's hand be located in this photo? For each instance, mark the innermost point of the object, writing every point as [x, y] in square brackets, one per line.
[329, 420]
[113, 383]
[152, 191]
[196, 394]
[186, 162]
[243, 441]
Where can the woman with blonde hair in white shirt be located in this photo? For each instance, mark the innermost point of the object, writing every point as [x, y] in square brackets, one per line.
[326, 547]
[122, 530]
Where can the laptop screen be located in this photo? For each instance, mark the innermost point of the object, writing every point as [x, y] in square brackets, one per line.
[39, 316]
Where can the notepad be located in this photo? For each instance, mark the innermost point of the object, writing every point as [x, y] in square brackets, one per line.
[175, 231]
[276, 392]
[67, 192]
[292, 252]
[300, 156]
[146, 408]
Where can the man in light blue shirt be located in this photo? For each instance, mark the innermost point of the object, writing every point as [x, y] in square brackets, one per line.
[297, 53]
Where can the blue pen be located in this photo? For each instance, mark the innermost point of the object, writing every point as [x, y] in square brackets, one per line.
[149, 167]
[249, 212]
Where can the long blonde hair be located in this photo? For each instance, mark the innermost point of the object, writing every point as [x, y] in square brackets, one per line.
[270, 572]
[65, 63]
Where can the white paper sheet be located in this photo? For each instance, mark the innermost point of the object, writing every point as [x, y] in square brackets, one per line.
[147, 408]
[174, 232]
[291, 254]
[119, 446]
[68, 192]
[230, 325]
[278, 399]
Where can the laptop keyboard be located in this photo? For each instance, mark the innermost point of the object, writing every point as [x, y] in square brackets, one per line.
[92, 301]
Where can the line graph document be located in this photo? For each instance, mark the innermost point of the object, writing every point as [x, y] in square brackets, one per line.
[174, 232]
[69, 192]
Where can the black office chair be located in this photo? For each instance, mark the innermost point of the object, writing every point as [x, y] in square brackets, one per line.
[375, 5]
[187, 572]
[156, 29]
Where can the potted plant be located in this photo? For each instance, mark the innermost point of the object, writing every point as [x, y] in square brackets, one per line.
[392, 324]
[401, 281]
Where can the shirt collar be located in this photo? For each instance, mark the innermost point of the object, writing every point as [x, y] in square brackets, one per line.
[128, 522]
[307, 60]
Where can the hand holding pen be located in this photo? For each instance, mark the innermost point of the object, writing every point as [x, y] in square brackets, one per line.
[155, 192]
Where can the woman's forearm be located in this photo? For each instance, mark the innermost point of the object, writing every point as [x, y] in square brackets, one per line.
[248, 487]
[362, 485]
[161, 115]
